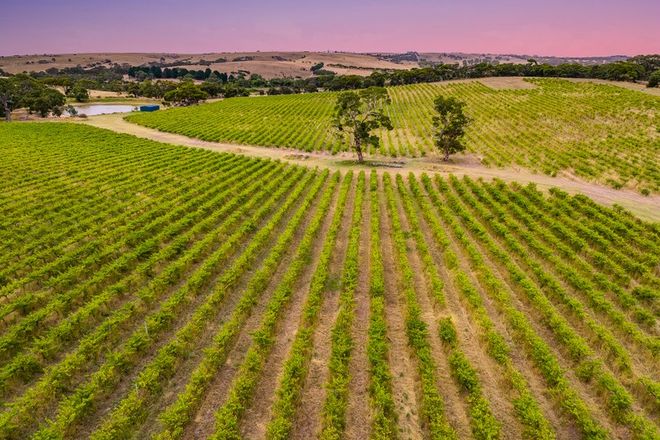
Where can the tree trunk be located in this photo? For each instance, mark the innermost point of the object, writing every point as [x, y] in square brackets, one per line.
[5, 104]
[358, 148]
[446, 158]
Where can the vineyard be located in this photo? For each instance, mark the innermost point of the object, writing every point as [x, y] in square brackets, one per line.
[155, 291]
[597, 132]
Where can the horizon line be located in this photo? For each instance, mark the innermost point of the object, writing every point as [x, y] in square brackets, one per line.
[372, 52]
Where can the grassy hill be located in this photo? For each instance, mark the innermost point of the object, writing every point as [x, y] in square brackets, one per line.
[598, 132]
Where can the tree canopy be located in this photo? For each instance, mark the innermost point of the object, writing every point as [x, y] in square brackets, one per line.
[449, 125]
[186, 93]
[358, 114]
[24, 91]
[79, 93]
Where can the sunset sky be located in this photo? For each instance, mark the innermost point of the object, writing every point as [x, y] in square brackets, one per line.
[558, 27]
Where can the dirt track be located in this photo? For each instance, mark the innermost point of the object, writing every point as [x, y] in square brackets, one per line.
[646, 207]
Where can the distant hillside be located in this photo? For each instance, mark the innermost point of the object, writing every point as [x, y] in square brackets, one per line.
[427, 58]
[266, 64]
[278, 64]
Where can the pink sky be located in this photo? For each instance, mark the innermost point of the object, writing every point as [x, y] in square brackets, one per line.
[559, 27]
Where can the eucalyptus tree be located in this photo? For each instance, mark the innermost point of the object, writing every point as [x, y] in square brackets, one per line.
[449, 125]
[358, 114]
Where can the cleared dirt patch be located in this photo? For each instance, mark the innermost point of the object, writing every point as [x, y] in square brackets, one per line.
[504, 83]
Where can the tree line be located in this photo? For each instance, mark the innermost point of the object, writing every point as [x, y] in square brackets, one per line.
[638, 68]
[176, 85]
[23, 91]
